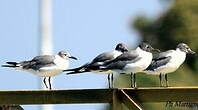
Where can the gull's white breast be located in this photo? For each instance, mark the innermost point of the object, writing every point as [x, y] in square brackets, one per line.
[143, 63]
[178, 57]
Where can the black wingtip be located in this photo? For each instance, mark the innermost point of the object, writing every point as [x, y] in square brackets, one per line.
[5, 65]
[12, 63]
[71, 73]
[10, 66]
[80, 69]
[74, 72]
[68, 70]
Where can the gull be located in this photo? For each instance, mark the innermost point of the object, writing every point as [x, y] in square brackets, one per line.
[132, 62]
[168, 61]
[44, 66]
[100, 60]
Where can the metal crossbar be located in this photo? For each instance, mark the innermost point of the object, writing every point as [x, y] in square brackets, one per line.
[129, 97]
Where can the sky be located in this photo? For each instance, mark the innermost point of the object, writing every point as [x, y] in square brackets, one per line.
[84, 28]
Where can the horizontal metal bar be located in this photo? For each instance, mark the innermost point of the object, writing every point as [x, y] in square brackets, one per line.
[56, 96]
[163, 94]
[81, 96]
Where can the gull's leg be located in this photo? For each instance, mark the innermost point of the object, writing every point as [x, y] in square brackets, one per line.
[160, 78]
[109, 80]
[134, 81]
[112, 80]
[50, 86]
[166, 78]
[131, 80]
[44, 81]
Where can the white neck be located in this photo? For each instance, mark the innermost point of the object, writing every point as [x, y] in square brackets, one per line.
[138, 49]
[116, 53]
[61, 62]
[143, 53]
[178, 50]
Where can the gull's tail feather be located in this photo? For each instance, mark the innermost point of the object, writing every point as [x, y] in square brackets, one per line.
[80, 69]
[11, 65]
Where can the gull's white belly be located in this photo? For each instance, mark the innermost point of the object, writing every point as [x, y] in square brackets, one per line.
[48, 74]
[48, 71]
[45, 71]
[163, 70]
[135, 68]
[156, 71]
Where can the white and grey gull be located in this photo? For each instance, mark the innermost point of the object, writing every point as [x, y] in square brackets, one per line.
[132, 62]
[168, 62]
[45, 65]
[100, 60]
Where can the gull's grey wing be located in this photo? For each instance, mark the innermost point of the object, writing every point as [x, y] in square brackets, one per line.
[103, 57]
[159, 60]
[100, 60]
[38, 62]
[162, 55]
[158, 63]
[128, 56]
[95, 63]
[44, 59]
[121, 61]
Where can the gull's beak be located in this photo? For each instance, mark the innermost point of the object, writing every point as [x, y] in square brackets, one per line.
[191, 52]
[72, 57]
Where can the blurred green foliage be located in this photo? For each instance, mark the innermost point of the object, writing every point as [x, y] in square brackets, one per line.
[178, 24]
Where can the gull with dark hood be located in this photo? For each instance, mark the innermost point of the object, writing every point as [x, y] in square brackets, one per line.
[132, 62]
[168, 61]
[100, 60]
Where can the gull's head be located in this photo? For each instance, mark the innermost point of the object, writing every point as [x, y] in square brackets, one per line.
[121, 47]
[66, 55]
[147, 47]
[185, 48]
